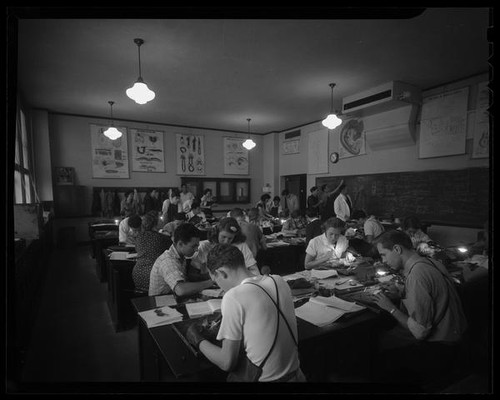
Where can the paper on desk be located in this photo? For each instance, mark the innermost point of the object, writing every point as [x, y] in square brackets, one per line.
[335, 302]
[385, 278]
[277, 244]
[132, 255]
[118, 255]
[317, 314]
[302, 274]
[323, 274]
[165, 300]
[212, 292]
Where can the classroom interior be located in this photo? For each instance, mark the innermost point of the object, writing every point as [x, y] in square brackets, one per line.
[425, 150]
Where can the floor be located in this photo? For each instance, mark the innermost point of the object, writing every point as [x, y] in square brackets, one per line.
[73, 337]
[74, 342]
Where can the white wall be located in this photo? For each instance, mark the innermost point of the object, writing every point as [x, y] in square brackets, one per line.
[70, 147]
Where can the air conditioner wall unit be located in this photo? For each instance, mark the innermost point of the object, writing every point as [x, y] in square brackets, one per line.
[384, 97]
[391, 129]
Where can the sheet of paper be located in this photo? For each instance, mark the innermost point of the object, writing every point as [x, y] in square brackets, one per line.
[118, 255]
[317, 314]
[323, 274]
[385, 278]
[212, 292]
[163, 316]
[132, 255]
[165, 300]
[333, 301]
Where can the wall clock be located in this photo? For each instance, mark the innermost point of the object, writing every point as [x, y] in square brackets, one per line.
[334, 157]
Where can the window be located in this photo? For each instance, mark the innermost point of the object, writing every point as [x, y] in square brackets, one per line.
[23, 185]
[225, 190]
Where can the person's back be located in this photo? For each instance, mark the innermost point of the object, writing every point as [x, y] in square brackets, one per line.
[260, 324]
[254, 236]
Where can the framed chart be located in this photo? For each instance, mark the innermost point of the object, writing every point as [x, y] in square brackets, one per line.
[352, 141]
[147, 151]
[190, 155]
[235, 157]
[109, 157]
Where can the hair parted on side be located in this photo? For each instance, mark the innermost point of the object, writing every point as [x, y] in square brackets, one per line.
[225, 255]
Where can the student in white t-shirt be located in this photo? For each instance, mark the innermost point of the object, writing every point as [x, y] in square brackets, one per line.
[331, 246]
[251, 322]
[372, 227]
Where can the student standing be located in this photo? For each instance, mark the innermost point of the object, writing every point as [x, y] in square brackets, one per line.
[258, 326]
[343, 204]
[291, 201]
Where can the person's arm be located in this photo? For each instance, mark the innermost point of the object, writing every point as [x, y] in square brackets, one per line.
[335, 192]
[190, 288]
[385, 304]
[224, 357]
[311, 262]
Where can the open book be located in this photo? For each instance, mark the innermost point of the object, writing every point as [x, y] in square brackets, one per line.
[201, 308]
[160, 316]
[321, 311]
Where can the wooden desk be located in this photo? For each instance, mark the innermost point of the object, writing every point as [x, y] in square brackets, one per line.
[100, 245]
[121, 290]
[284, 259]
[99, 229]
[164, 356]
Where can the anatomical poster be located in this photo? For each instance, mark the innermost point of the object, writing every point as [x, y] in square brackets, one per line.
[190, 155]
[352, 139]
[235, 157]
[147, 151]
[109, 157]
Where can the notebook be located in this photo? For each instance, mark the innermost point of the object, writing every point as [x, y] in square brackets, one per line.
[160, 316]
[200, 308]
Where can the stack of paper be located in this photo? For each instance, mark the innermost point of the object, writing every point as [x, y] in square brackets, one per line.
[321, 311]
[160, 316]
[201, 308]
[118, 255]
[323, 274]
[212, 292]
[165, 300]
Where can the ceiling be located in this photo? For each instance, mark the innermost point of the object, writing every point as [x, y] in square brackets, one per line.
[216, 73]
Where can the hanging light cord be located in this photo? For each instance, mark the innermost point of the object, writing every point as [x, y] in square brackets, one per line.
[111, 105]
[332, 85]
[139, 51]
[249, 119]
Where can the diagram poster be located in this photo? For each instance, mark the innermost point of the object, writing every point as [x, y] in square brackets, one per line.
[147, 151]
[318, 152]
[352, 141]
[481, 143]
[443, 124]
[235, 157]
[190, 155]
[109, 157]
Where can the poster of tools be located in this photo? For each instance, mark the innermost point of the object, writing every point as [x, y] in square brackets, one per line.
[109, 157]
[352, 141]
[190, 155]
[235, 157]
[147, 151]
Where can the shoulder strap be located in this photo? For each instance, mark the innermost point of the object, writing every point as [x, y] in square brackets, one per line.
[277, 306]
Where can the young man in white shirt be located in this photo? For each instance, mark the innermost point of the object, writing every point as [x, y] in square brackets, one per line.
[343, 204]
[128, 229]
[250, 320]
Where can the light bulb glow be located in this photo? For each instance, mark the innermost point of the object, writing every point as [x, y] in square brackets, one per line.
[112, 133]
[462, 249]
[332, 121]
[249, 144]
[140, 93]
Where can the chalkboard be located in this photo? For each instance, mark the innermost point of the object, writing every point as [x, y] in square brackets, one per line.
[451, 197]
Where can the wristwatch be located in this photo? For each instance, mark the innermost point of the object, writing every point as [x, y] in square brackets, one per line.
[392, 311]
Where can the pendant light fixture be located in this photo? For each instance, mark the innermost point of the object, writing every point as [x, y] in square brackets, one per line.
[112, 133]
[332, 121]
[249, 144]
[140, 92]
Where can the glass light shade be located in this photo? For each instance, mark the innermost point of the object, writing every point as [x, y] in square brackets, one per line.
[332, 121]
[112, 133]
[140, 93]
[249, 144]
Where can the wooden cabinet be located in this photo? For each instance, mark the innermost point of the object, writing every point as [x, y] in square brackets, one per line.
[69, 201]
[225, 190]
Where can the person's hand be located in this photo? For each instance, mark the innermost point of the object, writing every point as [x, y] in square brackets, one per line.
[383, 301]
[194, 336]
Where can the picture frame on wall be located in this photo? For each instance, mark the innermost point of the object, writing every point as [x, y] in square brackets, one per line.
[64, 175]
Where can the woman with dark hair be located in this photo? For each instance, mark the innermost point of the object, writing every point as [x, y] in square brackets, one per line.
[328, 248]
[227, 231]
[412, 227]
[275, 207]
[149, 245]
[171, 206]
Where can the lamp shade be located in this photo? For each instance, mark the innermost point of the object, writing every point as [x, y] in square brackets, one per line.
[140, 92]
[331, 121]
[249, 144]
[112, 133]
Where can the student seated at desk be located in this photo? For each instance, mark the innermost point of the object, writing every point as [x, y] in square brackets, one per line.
[412, 227]
[128, 229]
[196, 216]
[258, 323]
[149, 245]
[170, 227]
[372, 228]
[313, 227]
[255, 239]
[329, 247]
[169, 272]
[431, 320]
[227, 231]
[295, 225]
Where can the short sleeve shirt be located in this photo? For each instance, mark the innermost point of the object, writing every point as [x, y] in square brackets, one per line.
[373, 227]
[320, 246]
[168, 269]
[206, 245]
